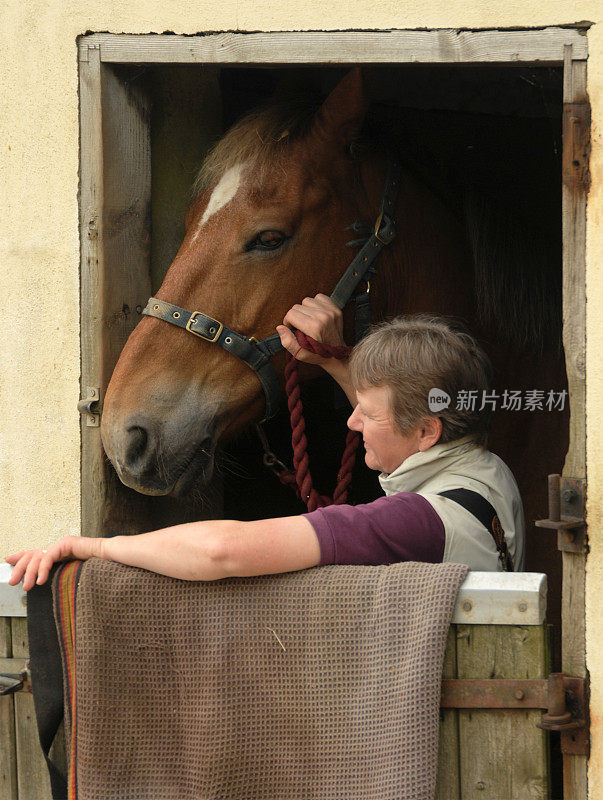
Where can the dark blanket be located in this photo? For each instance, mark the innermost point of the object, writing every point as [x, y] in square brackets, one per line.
[319, 684]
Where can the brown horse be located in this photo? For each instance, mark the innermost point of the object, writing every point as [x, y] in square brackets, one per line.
[269, 226]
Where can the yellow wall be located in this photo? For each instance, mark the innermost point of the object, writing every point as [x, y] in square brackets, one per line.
[39, 326]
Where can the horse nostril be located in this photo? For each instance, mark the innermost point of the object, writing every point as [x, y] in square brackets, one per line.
[137, 444]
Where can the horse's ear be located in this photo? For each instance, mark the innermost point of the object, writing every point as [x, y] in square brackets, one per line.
[340, 117]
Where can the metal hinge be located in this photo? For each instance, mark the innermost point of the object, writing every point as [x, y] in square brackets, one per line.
[14, 676]
[566, 513]
[89, 406]
[564, 697]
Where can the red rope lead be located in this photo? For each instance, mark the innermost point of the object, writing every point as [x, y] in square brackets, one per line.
[301, 464]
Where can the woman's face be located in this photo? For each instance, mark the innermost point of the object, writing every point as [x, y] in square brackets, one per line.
[386, 448]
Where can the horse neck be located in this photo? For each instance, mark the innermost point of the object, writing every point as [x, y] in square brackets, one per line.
[428, 266]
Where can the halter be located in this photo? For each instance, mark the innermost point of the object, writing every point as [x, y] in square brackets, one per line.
[257, 354]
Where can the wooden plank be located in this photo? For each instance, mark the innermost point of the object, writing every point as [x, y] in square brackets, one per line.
[91, 271]
[19, 637]
[502, 753]
[115, 254]
[346, 47]
[8, 750]
[126, 231]
[573, 646]
[115, 245]
[32, 774]
[448, 779]
[574, 285]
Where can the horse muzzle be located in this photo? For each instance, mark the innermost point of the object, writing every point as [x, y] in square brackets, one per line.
[157, 457]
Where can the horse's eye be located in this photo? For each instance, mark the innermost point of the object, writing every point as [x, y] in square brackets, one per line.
[266, 240]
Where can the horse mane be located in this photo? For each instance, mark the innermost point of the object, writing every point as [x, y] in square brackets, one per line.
[260, 139]
[517, 277]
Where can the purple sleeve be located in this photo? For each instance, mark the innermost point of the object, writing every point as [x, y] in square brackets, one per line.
[401, 527]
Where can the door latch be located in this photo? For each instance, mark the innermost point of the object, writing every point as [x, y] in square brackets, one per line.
[566, 513]
[565, 699]
[567, 712]
[11, 682]
[89, 406]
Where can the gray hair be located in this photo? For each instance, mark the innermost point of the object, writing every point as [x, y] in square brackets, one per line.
[413, 354]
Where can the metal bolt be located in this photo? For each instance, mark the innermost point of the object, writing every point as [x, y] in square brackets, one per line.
[556, 694]
[467, 605]
[554, 498]
[480, 785]
[92, 392]
[519, 695]
[91, 418]
[569, 495]
[522, 607]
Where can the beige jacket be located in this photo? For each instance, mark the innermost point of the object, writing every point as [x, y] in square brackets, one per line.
[464, 465]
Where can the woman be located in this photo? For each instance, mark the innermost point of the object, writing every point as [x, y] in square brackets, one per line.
[421, 455]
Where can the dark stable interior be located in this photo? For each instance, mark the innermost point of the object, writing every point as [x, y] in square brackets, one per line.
[496, 130]
[493, 129]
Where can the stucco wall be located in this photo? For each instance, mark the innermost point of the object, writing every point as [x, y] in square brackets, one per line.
[39, 284]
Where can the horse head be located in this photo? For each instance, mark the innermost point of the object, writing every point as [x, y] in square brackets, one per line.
[269, 226]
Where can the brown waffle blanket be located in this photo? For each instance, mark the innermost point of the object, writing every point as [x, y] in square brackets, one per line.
[322, 684]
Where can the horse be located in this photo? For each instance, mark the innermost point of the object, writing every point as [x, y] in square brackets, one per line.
[270, 225]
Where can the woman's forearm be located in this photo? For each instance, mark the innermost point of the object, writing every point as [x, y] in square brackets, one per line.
[193, 551]
[339, 370]
[197, 551]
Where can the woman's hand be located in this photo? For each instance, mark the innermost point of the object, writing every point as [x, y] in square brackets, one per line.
[317, 317]
[33, 566]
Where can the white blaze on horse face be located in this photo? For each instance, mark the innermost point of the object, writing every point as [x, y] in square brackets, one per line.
[222, 194]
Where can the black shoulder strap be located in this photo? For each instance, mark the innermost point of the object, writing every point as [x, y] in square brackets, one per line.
[484, 512]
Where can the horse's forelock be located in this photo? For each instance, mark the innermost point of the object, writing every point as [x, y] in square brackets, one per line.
[259, 140]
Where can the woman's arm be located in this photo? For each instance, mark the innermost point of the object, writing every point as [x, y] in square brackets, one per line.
[319, 318]
[217, 548]
[195, 551]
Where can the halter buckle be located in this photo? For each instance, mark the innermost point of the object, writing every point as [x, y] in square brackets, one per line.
[212, 337]
[380, 219]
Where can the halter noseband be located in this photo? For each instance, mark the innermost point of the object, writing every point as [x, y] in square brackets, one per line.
[256, 353]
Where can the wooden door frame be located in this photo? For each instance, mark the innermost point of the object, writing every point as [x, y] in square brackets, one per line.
[114, 290]
[574, 201]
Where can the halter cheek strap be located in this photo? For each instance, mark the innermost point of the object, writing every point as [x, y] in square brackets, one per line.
[362, 266]
[257, 353]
